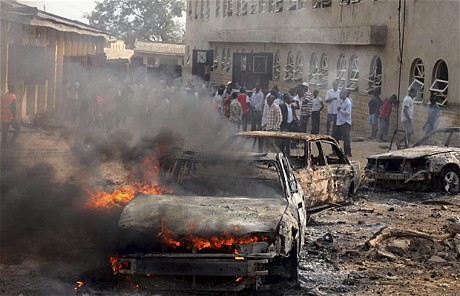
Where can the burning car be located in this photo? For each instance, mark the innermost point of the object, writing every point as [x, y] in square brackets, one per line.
[231, 220]
[433, 161]
[325, 174]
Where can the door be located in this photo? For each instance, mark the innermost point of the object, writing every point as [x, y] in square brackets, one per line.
[251, 68]
[341, 170]
[202, 61]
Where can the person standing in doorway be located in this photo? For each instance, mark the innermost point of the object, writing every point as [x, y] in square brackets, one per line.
[8, 116]
[317, 106]
[343, 125]
[332, 96]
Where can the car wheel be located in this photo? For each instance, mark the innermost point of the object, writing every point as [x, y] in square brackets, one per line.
[450, 181]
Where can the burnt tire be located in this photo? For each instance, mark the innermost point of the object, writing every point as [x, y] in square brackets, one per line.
[450, 180]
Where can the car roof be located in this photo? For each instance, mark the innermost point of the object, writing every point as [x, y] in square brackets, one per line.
[285, 135]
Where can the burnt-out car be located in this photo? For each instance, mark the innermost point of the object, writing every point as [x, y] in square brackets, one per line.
[325, 174]
[231, 221]
[432, 162]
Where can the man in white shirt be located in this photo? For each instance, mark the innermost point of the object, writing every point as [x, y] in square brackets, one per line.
[331, 99]
[317, 106]
[407, 114]
[343, 124]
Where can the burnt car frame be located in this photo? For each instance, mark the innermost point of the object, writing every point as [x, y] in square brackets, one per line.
[325, 174]
[245, 194]
[432, 162]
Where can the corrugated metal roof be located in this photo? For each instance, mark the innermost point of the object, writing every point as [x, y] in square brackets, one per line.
[116, 53]
[159, 48]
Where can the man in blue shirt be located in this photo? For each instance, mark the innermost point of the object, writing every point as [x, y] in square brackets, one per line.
[257, 103]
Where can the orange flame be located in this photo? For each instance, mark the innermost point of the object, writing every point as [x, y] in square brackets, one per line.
[150, 169]
[200, 243]
[79, 285]
[116, 265]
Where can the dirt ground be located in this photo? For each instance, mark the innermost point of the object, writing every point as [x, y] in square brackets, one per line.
[335, 261]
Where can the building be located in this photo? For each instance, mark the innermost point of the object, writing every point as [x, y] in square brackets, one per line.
[42, 52]
[118, 58]
[158, 59]
[357, 42]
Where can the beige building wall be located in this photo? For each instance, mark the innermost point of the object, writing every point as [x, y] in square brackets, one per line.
[368, 28]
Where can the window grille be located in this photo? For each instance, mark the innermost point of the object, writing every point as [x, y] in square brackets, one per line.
[196, 9]
[241, 7]
[254, 6]
[440, 85]
[207, 9]
[215, 63]
[324, 72]
[229, 7]
[263, 6]
[289, 70]
[418, 79]
[292, 5]
[321, 3]
[341, 76]
[353, 78]
[314, 70]
[277, 66]
[278, 6]
[298, 71]
[218, 8]
[228, 64]
[223, 62]
[189, 8]
[375, 76]
[225, 7]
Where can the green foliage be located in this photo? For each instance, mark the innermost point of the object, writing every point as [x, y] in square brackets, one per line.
[146, 20]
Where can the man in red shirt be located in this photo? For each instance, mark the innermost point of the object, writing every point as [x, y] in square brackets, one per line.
[8, 115]
[384, 116]
[243, 99]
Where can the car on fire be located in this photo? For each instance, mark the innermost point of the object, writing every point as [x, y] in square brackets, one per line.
[432, 162]
[232, 221]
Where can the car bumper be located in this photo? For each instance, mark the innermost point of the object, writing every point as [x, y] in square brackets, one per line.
[421, 175]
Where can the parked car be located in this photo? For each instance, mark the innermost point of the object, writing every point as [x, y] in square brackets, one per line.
[233, 220]
[432, 162]
[325, 174]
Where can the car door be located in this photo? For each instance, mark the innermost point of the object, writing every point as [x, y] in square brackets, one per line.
[316, 178]
[341, 170]
[294, 193]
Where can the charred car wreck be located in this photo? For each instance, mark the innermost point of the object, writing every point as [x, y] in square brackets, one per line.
[433, 162]
[237, 219]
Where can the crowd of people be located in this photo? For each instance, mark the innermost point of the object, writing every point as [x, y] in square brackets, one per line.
[106, 104]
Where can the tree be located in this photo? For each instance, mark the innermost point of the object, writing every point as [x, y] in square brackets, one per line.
[148, 20]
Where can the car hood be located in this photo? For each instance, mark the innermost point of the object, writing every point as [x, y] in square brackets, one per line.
[185, 215]
[415, 152]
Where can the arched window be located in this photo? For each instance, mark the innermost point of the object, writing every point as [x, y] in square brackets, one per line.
[440, 84]
[290, 65]
[324, 71]
[314, 70]
[341, 76]
[353, 74]
[375, 75]
[277, 66]
[224, 59]
[215, 64]
[187, 55]
[417, 79]
[298, 71]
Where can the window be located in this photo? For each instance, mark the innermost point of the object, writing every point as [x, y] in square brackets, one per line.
[333, 154]
[262, 6]
[196, 9]
[189, 7]
[241, 7]
[228, 64]
[254, 6]
[225, 7]
[314, 70]
[298, 71]
[316, 155]
[229, 7]
[353, 74]
[292, 4]
[324, 72]
[218, 8]
[375, 76]
[277, 66]
[207, 9]
[341, 76]
[201, 9]
[417, 80]
[440, 84]
[187, 55]
[346, 2]
[223, 62]
[289, 70]
[321, 3]
[278, 6]
[215, 64]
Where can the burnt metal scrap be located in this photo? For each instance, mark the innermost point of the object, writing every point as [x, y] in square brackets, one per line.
[230, 218]
[433, 162]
